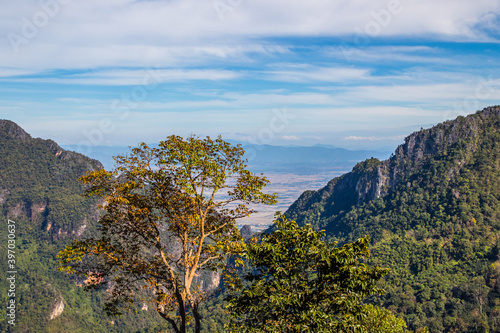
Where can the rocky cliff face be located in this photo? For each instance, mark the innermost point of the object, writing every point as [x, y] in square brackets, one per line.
[40, 192]
[11, 130]
[37, 179]
[372, 179]
[428, 143]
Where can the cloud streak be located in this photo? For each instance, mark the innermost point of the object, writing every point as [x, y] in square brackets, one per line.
[124, 77]
[373, 138]
[89, 34]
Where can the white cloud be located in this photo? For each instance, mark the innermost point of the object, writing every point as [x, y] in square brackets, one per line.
[433, 95]
[308, 73]
[405, 54]
[290, 137]
[10, 72]
[126, 33]
[373, 138]
[146, 77]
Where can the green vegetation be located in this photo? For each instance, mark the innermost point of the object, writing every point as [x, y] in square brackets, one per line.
[39, 190]
[302, 284]
[435, 224]
[431, 211]
[165, 225]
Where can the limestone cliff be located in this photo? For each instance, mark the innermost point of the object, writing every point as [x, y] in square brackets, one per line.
[372, 179]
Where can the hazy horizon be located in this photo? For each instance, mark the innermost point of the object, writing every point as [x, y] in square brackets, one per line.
[356, 75]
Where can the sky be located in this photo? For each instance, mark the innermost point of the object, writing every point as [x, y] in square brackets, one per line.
[357, 74]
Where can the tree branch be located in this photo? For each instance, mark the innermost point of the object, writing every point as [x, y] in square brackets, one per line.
[170, 320]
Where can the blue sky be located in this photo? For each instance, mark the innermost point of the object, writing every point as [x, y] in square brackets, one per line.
[355, 74]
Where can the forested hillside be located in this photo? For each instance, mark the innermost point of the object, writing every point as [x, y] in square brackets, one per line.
[40, 192]
[433, 213]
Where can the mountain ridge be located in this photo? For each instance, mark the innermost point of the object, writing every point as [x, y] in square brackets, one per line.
[15, 131]
[372, 178]
[432, 211]
[40, 192]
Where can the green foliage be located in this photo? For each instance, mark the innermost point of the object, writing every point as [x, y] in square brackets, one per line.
[378, 320]
[40, 192]
[165, 224]
[367, 166]
[436, 227]
[301, 283]
[435, 224]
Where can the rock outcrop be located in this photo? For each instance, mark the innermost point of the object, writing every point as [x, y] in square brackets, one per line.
[372, 179]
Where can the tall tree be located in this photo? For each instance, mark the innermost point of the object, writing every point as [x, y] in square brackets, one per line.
[300, 283]
[169, 215]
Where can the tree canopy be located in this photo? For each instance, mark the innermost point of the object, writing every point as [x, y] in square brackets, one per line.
[300, 283]
[168, 216]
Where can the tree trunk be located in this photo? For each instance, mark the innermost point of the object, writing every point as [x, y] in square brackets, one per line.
[182, 311]
[179, 327]
[197, 319]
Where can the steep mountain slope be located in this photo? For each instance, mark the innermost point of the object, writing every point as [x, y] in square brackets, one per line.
[433, 213]
[40, 192]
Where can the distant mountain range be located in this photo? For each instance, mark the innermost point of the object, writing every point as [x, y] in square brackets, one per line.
[265, 158]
